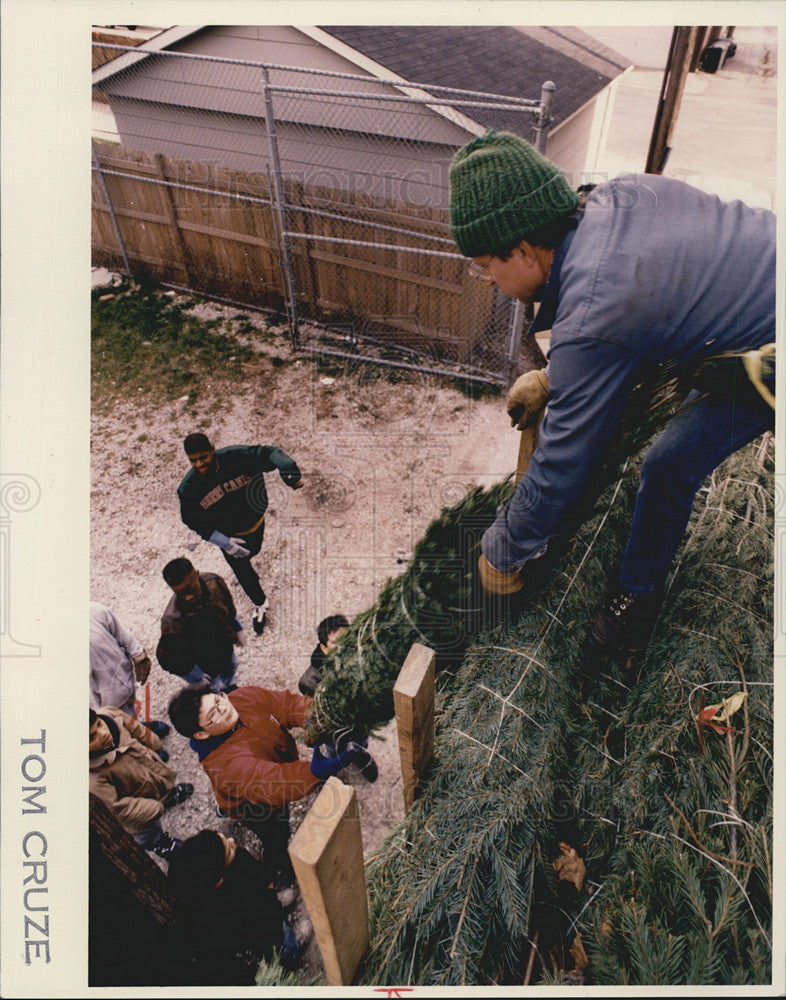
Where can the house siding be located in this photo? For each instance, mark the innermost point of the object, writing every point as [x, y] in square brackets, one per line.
[376, 166]
[226, 88]
[213, 112]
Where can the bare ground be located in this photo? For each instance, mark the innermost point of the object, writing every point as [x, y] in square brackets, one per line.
[379, 458]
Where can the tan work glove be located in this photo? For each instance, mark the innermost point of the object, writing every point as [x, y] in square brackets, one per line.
[527, 397]
[496, 582]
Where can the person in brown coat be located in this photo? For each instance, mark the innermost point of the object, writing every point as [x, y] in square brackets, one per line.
[130, 778]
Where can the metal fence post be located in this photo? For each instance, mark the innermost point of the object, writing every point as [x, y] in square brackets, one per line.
[544, 116]
[522, 312]
[280, 214]
[111, 210]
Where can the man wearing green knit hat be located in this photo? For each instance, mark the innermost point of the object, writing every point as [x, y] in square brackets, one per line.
[645, 270]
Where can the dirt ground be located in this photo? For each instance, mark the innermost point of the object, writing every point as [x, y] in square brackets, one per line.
[379, 459]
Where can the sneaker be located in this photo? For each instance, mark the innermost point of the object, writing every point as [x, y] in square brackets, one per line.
[159, 728]
[626, 622]
[366, 764]
[178, 794]
[259, 618]
[166, 846]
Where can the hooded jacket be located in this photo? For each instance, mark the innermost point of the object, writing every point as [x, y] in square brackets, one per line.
[131, 779]
[113, 649]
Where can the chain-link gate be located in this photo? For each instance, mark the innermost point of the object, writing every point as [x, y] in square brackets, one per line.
[321, 194]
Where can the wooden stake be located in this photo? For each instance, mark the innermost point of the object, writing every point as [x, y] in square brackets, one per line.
[682, 42]
[413, 697]
[327, 855]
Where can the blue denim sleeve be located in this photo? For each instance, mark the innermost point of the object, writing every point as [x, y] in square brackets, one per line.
[589, 383]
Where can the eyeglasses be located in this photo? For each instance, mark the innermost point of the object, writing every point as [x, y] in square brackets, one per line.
[215, 712]
[478, 271]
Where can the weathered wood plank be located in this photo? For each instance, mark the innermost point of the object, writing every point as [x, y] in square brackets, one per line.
[327, 855]
[413, 697]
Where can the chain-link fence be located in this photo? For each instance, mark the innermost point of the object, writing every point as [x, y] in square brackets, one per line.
[317, 193]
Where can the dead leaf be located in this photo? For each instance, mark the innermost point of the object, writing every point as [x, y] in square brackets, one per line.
[729, 706]
[569, 866]
[712, 715]
[580, 959]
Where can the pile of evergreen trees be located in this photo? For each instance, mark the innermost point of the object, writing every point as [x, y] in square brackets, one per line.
[539, 744]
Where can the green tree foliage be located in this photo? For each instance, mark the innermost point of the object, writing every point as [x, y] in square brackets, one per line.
[537, 742]
[438, 602]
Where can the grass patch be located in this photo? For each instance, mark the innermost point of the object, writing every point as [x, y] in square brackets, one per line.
[144, 345]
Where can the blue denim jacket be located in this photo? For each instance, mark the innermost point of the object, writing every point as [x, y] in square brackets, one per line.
[656, 270]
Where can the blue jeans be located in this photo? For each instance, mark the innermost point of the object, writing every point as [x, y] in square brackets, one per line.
[218, 682]
[289, 949]
[149, 835]
[704, 432]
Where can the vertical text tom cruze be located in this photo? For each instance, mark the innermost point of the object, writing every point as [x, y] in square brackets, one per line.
[34, 849]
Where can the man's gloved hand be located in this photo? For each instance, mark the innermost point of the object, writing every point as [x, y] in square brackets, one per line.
[237, 548]
[240, 632]
[232, 546]
[323, 767]
[527, 397]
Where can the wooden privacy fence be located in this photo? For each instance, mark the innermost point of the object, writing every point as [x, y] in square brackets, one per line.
[212, 230]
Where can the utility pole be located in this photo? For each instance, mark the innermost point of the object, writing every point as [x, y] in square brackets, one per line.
[680, 52]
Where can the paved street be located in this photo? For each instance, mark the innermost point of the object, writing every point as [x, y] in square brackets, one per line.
[725, 137]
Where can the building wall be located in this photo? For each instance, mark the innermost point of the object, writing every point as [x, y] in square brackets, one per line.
[231, 89]
[571, 145]
[213, 112]
[376, 166]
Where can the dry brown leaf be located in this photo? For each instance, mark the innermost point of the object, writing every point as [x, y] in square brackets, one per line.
[569, 866]
[580, 959]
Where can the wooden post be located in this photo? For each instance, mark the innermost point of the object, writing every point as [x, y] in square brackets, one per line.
[682, 41]
[413, 697]
[327, 855]
[170, 212]
[140, 932]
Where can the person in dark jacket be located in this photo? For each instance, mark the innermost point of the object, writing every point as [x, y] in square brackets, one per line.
[199, 628]
[223, 499]
[329, 631]
[649, 270]
[240, 920]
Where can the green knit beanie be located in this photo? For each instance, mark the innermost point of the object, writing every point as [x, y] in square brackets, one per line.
[501, 188]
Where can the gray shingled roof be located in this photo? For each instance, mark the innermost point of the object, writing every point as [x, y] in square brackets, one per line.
[493, 59]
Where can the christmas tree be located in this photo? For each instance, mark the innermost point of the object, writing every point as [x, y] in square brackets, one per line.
[542, 750]
[580, 811]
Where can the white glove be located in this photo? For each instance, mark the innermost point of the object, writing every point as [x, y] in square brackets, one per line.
[236, 548]
[232, 546]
